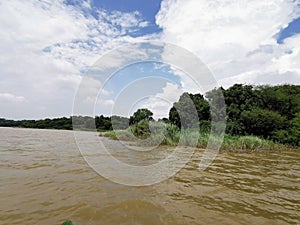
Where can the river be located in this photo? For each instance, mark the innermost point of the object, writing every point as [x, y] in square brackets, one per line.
[45, 180]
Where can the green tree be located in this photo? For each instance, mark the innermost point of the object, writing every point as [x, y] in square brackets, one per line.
[290, 135]
[262, 122]
[239, 98]
[189, 110]
[294, 130]
[103, 123]
[119, 122]
[139, 115]
[284, 99]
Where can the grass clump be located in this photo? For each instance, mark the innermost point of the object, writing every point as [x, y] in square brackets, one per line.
[249, 143]
[155, 133]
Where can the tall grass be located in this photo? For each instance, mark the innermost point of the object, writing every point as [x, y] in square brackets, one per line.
[249, 144]
[173, 136]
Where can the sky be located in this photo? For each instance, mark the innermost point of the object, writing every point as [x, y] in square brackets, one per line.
[48, 47]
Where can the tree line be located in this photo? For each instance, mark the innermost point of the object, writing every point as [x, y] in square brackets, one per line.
[101, 123]
[270, 112]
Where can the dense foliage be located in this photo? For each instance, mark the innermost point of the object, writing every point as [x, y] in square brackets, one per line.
[184, 112]
[271, 112]
[139, 115]
[57, 123]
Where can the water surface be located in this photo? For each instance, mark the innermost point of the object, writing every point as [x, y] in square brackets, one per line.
[45, 180]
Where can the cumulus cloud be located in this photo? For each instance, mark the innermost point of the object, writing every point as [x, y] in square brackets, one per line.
[46, 46]
[161, 103]
[235, 38]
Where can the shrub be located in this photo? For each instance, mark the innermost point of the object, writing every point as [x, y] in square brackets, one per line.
[67, 222]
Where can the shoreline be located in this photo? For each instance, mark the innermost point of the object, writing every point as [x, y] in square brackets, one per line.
[236, 146]
[277, 147]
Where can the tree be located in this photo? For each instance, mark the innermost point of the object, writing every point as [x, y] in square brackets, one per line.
[290, 135]
[103, 123]
[119, 122]
[217, 106]
[284, 99]
[183, 113]
[174, 117]
[262, 122]
[294, 130]
[139, 115]
[238, 99]
[189, 110]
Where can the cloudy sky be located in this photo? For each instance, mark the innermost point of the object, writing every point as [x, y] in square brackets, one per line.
[47, 48]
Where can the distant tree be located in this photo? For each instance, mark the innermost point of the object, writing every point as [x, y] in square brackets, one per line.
[165, 120]
[217, 108]
[103, 123]
[9, 123]
[174, 117]
[82, 123]
[189, 110]
[28, 124]
[119, 122]
[139, 115]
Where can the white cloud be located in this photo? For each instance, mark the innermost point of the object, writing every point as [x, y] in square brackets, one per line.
[8, 97]
[107, 102]
[45, 46]
[102, 102]
[235, 38]
[171, 93]
[194, 75]
[126, 55]
[127, 21]
[161, 103]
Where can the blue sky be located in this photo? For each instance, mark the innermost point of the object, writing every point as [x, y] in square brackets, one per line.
[138, 85]
[148, 9]
[292, 29]
[48, 46]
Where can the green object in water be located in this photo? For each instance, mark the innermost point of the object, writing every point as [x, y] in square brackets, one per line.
[67, 222]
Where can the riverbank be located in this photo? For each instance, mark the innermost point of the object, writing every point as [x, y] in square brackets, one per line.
[238, 144]
[235, 144]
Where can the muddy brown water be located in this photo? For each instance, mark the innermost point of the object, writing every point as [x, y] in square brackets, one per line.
[45, 180]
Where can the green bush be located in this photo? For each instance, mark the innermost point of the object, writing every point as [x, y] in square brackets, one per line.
[262, 122]
[291, 135]
[67, 222]
[141, 129]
